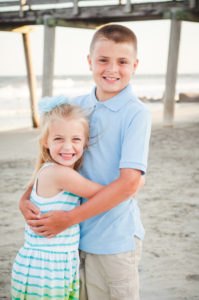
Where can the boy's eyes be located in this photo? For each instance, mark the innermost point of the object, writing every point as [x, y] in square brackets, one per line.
[123, 62]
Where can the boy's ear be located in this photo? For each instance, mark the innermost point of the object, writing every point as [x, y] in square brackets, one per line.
[135, 64]
[89, 62]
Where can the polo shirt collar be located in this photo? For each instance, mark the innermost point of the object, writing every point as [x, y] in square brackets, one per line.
[117, 102]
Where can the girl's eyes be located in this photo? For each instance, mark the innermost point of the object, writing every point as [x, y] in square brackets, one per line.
[76, 139]
[58, 139]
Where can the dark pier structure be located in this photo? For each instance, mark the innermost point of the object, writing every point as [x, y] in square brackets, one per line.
[19, 15]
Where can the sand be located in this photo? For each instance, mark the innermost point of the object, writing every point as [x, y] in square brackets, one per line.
[169, 205]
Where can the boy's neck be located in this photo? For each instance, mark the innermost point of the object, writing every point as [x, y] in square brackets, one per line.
[102, 97]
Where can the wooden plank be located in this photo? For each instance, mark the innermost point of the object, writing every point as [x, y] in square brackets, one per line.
[172, 64]
[75, 7]
[101, 15]
[48, 59]
[127, 7]
[31, 80]
[10, 3]
[74, 24]
[33, 2]
[23, 29]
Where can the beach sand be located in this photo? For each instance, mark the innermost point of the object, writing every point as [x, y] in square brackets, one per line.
[169, 204]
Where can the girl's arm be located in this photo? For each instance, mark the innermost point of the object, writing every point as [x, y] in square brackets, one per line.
[66, 179]
[70, 180]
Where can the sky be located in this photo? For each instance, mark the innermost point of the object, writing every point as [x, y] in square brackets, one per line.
[72, 47]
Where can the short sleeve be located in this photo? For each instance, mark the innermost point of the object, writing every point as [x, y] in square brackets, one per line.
[135, 144]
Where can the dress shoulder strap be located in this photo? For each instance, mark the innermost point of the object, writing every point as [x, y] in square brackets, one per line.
[42, 167]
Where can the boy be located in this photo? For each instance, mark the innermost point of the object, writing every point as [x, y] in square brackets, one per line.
[111, 233]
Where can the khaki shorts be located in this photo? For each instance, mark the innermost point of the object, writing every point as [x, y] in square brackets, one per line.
[110, 277]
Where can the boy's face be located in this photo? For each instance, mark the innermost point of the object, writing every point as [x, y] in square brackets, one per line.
[112, 65]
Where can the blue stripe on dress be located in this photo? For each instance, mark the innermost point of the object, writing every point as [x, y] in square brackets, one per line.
[41, 268]
[40, 277]
[54, 202]
[37, 285]
[46, 251]
[57, 236]
[52, 245]
[45, 259]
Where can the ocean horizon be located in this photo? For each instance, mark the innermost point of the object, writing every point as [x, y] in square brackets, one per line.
[14, 93]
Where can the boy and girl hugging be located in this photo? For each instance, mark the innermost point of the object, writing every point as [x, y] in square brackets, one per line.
[83, 232]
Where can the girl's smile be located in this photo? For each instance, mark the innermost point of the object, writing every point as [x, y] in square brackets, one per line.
[66, 141]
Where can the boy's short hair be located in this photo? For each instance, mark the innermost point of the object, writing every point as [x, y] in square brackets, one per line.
[115, 32]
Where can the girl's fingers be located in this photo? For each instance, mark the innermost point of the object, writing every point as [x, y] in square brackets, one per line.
[32, 216]
[42, 232]
[34, 209]
[51, 236]
[46, 215]
[35, 223]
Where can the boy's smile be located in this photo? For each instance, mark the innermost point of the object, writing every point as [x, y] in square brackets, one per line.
[112, 65]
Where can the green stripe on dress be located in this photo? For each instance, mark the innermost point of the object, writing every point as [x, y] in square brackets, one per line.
[38, 295]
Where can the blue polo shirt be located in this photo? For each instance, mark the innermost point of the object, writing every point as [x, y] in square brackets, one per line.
[119, 138]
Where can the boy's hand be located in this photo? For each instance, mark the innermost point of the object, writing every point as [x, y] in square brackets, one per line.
[50, 224]
[27, 208]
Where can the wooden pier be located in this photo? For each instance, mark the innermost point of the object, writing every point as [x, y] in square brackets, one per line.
[17, 15]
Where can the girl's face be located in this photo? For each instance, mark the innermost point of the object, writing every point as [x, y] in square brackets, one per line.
[66, 140]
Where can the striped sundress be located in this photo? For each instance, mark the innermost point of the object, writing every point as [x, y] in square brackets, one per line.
[48, 268]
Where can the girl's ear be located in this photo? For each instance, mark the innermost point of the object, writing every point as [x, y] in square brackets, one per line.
[89, 62]
[45, 143]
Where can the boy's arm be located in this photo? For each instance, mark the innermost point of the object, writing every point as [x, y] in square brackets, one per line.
[27, 208]
[121, 189]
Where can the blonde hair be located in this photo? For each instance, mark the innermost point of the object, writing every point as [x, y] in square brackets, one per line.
[63, 111]
[116, 33]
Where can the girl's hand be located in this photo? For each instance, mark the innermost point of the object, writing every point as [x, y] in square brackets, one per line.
[50, 224]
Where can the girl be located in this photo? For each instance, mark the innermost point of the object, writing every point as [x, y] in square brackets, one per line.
[47, 268]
